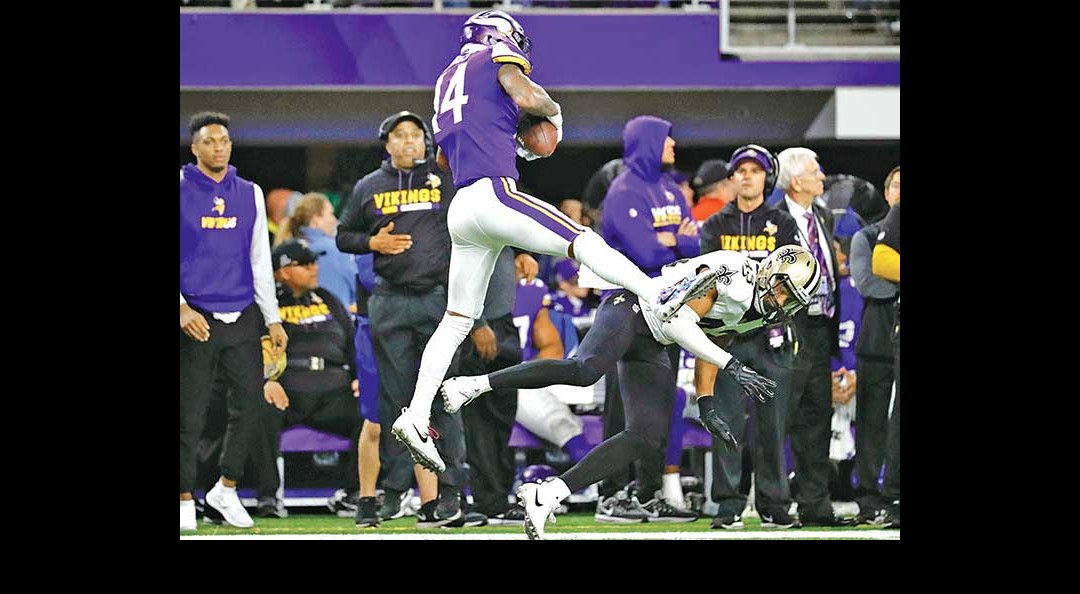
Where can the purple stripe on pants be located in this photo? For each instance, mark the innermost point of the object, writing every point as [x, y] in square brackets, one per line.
[534, 208]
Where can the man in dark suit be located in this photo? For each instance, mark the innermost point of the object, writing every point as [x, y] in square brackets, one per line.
[817, 329]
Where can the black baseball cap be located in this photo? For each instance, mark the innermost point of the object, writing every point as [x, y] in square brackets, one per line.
[392, 120]
[710, 172]
[293, 251]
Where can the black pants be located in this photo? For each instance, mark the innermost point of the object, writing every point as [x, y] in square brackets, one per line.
[490, 420]
[810, 412]
[213, 436]
[648, 469]
[769, 423]
[332, 411]
[235, 348]
[401, 325]
[872, 394]
[891, 487]
[618, 341]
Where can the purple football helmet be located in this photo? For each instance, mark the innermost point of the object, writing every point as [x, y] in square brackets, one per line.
[490, 26]
[537, 472]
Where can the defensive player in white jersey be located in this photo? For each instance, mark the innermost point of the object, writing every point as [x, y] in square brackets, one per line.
[630, 339]
[478, 100]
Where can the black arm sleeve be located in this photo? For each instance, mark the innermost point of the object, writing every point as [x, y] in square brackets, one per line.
[352, 235]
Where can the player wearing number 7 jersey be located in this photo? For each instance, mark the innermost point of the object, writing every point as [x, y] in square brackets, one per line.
[478, 100]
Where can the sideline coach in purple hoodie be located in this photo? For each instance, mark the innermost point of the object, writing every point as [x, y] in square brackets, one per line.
[227, 301]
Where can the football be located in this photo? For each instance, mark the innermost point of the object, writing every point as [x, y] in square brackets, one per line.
[442, 161]
[538, 135]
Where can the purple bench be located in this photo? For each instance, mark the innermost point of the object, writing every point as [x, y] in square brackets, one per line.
[301, 438]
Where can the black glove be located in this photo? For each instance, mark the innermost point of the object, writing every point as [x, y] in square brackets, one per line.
[753, 385]
[712, 421]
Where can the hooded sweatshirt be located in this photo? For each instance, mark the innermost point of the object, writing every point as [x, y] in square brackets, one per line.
[416, 201]
[642, 201]
[217, 222]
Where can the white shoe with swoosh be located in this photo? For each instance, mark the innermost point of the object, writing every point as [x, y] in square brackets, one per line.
[540, 501]
[412, 430]
[459, 391]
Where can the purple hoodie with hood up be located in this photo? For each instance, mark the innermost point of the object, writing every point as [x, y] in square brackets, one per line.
[643, 201]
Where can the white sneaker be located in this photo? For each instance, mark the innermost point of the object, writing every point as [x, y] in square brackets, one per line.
[461, 390]
[187, 515]
[412, 430]
[540, 501]
[671, 298]
[228, 503]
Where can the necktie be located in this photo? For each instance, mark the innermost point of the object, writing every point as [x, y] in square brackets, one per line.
[825, 290]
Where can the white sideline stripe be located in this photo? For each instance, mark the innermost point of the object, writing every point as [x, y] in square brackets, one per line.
[711, 535]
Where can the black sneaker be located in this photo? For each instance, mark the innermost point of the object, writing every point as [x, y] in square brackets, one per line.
[620, 508]
[831, 521]
[428, 517]
[892, 518]
[394, 505]
[343, 503]
[873, 516]
[209, 514]
[450, 509]
[728, 522]
[661, 511]
[366, 516]
[776, 518]
[468, 520]
[513, 516]
[271, 507]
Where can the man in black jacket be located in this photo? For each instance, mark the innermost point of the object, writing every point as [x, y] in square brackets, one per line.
[874, 363]
[749, 225]
[398, 212]
[318, 386]
[818, 329]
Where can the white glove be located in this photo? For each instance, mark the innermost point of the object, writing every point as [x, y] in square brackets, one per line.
[525, 153]
[557, 120]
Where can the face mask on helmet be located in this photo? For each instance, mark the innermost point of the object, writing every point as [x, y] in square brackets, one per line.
[789, 275]
[491, 26]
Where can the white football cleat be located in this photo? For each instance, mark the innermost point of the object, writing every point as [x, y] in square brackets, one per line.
[412, 430]
[671, 298]
[461, 390]
[540, 501]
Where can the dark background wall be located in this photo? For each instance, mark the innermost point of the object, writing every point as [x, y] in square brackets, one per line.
[563, 175]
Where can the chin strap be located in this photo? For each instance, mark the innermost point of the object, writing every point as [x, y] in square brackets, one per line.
[790, 309]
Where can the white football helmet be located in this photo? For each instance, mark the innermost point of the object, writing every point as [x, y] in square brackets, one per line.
[798, 271]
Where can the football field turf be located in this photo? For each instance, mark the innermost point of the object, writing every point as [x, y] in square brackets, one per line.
[573, 526]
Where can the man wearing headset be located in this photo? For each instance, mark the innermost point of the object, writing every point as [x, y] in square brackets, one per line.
[751, 226]
[398, 212]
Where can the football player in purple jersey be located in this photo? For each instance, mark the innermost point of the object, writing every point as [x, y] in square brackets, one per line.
[478, 100]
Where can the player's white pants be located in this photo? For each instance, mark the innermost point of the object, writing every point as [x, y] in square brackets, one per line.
[485, 217]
